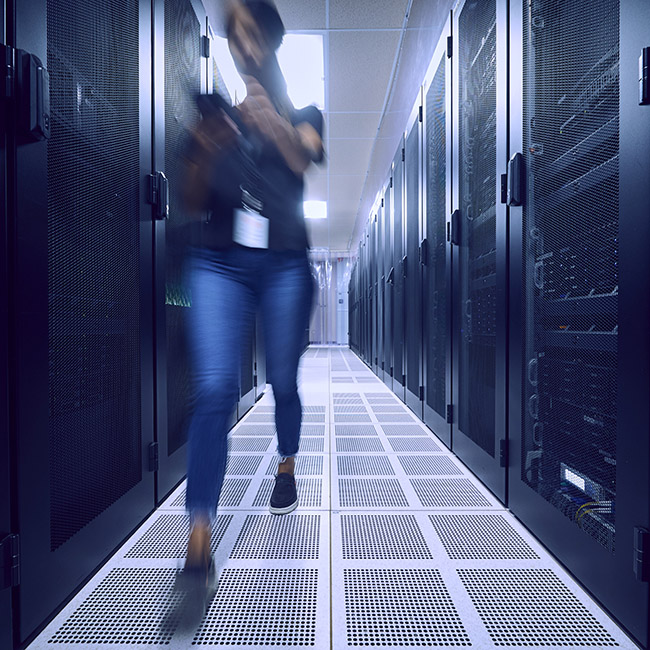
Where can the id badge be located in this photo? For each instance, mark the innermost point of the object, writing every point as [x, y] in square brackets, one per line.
[250, 229]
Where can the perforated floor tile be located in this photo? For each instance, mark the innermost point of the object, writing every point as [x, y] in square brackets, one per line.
[359, 444]
[403, 430]
[480, 537]
[167, 537]
[305, 466]
[271, 537]
[422, 556]
[352, 418]
[400, 607]
[232, 493]
[262, 607]
[531, 607]
[382, 537]
[355, 430]
[130, 606]
[449, 493]
[364, 466]
[310, 492]
[255, 430]
[371, 493]
[395, 417]
[429, 466]
[248, 444]
[413, 444]
[243, 465]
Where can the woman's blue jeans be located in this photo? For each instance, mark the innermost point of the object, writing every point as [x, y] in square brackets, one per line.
[228, 287]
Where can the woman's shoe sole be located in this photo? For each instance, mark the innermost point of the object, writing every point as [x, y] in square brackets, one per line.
[284, 511]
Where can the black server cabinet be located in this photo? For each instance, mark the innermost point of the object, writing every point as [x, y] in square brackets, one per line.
[180, 72]
[372, 271]
[480, 236]
[397, 202]
[380, 285]
[389, 289]
[579, 349]
[82, 307]
[436, 210]
[412, 267]
[260, 360]
[6, 632]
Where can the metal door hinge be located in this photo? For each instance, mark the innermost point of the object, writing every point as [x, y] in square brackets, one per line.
[205, 47]
[254, 381]
[450, 47]
[420, 116]
[642, 554]
[391, 181]
[391, 371]
[450, 413]
[422, 393]
[159, 195]
[10, 562]
[382, 203]
[403, 154]
[403, 380]
[404, 266]
[504, 188]
[503, 453]
[154, 459]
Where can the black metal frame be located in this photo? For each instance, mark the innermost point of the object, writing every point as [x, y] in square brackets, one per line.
[438, 422]
[380, 288]
[388, 286]
[172, 467]
[398, 252]
[487, 467]
[412, 220]
[47, 577]
[607, 576]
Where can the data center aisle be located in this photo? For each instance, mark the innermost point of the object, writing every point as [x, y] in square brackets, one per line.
[394, 544]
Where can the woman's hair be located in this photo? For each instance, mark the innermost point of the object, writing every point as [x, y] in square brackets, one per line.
[268, 19]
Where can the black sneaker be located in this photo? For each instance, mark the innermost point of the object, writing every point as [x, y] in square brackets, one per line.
[284, 498]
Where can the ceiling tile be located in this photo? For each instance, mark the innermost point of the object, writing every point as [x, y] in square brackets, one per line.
[360, 65]
[353, 125]
[302, 14]
[316, 184]
[346, 188]
[367, 14]
[349, 156]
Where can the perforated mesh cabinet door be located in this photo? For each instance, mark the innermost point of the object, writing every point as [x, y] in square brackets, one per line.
[182, 53]
[476, 287]
[93, 261]
[436, 330]
[570, 227]
[398, 288]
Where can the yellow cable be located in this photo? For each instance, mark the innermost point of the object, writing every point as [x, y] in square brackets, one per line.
[584, 505]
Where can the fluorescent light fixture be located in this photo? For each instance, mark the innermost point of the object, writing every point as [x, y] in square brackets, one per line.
[315, 209]
[301, 60]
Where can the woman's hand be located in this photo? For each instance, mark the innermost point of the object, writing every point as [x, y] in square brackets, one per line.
[297, 145]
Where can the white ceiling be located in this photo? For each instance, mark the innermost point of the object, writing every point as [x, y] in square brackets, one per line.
[375, 57]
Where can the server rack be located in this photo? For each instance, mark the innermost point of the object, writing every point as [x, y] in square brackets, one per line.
[81, 281]
[6, 631]
[372, 272]
[398, 302]
[479, 234]
[436, 215]
[388, 286]
[412, 267]
[579, 288]
[380, 284]
[181, 71]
